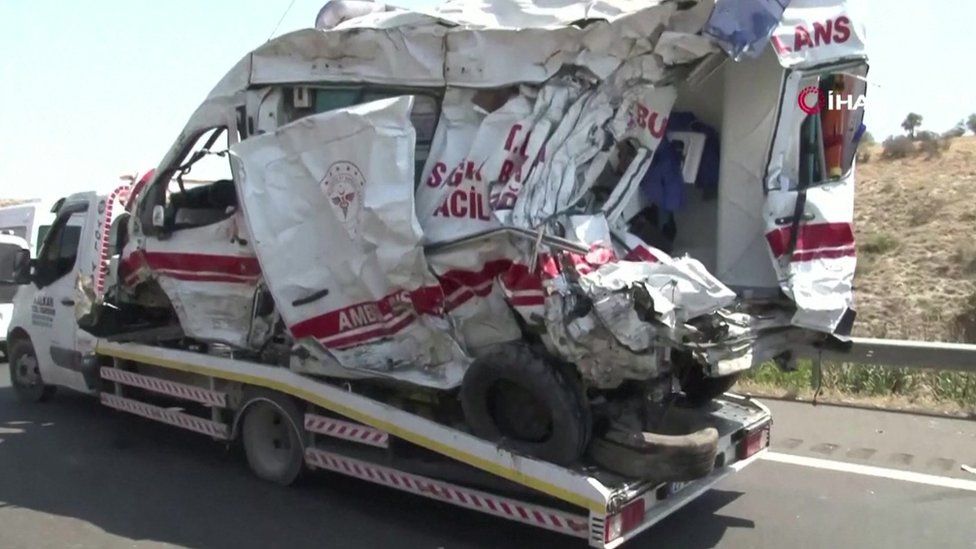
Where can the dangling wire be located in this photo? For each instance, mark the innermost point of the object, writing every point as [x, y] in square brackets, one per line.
[282, 18]
[819, 370]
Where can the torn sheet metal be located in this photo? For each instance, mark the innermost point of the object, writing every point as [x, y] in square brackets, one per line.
[335, 12]
[330, 202]
[209, 274]
[610, 317]
[814, 32]
[742, 27]
[406, 56]
[577, 153]
[516, 14]
[465, 44]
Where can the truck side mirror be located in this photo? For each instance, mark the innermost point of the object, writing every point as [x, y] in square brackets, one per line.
[15, 265]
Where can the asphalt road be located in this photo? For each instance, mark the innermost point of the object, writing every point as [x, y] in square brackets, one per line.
[75, 474]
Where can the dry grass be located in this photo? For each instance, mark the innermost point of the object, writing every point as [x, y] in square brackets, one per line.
[915, 220]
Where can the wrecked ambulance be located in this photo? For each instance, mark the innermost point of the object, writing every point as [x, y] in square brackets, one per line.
[568, 216]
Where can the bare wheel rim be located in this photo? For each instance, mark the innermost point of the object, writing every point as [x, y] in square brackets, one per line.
[270, 439]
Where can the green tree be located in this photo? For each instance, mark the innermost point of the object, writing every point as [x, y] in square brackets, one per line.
[911, 122]
[971, 123]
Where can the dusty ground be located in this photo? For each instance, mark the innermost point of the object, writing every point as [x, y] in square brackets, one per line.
[915, 221]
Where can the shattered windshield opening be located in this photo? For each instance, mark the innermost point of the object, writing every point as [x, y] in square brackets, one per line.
[304, 102]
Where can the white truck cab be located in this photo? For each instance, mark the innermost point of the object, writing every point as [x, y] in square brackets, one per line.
[45, 346]
[22, 226]
[10, 246]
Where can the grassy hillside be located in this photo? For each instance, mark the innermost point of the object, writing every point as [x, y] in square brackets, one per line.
[915, 220]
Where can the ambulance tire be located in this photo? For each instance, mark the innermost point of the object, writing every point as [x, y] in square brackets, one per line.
[512, 397]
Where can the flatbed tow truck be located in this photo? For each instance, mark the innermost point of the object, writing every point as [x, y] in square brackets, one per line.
[288, 421]
[353, 435]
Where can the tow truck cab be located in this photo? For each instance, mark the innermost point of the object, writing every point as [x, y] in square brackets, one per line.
[43, 339]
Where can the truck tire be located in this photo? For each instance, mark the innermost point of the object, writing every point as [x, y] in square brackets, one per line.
[512, 397]
[656, 457]
[272, 433]
[699, 389]
[25, 375]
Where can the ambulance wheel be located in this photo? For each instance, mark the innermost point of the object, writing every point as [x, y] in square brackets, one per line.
[272, 435]
[512, 397]
[25, 374]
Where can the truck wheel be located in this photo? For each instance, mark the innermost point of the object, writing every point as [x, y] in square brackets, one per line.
[512, 397]
[273, 440]
[699, 388]
[25, 375]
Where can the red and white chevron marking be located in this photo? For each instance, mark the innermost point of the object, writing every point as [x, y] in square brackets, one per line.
[121, 195]
[338, 428]
[171, 388]
[171, 417]
[534, 515]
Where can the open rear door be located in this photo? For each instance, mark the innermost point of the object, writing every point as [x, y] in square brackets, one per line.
[329, 200]
[809, 206]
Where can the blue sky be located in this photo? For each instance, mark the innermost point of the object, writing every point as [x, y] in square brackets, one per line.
[94, 90]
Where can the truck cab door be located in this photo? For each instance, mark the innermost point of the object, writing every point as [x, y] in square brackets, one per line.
[64, 257]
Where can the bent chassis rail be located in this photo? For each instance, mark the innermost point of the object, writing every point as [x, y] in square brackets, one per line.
[598, 496]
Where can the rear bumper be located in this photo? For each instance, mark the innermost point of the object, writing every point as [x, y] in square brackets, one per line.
[673, 502]
[745, 428]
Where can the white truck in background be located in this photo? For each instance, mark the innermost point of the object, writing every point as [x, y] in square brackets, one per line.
[21, 225]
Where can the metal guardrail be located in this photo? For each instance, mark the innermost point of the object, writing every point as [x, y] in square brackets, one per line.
[895, 353]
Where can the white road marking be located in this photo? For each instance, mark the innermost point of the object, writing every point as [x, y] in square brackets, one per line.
[881, 472]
